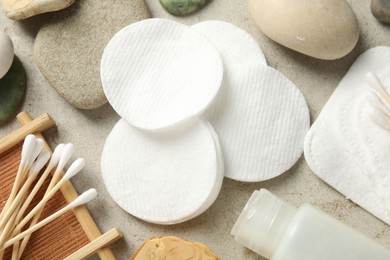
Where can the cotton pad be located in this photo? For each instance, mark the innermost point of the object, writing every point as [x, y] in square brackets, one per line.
[157, 73]
[261, 120]
[345, 147]
[164, 177]
[235, 45]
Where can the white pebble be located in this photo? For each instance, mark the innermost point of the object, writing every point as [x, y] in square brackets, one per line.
[6, 53]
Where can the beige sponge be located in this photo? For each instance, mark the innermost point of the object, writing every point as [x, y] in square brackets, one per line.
[173, 248]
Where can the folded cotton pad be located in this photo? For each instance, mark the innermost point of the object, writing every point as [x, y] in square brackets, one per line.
[157, 73]
[164, 177]
[345, 147]
[235, 45]
[261, 119]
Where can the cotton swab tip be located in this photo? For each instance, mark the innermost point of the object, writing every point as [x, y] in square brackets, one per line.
[55, 157]
[379, 118]
[39, 143]
[42, 159]
[85, 197]
[65, 156]
[28, 147]
[375, 83]
[374, 100]
[74, 168]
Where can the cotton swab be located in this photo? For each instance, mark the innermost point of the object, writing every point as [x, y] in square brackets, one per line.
[80, 200]
[379, 99]
[35, 169]
[376, 84]
[64, 158]
[375, 101]
[39, 143]
[54, 161]
[32, 161]
[66, 153]
[27, 149]
[379, 118]
[13, 209]
[72, 171]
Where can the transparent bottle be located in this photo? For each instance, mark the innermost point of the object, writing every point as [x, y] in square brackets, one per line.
[278, 231]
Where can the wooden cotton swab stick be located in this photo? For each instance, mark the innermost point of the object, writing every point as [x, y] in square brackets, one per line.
[379, 118]
[375, 101]
[29, 161]
[54, 162]
[29, 155]
[80, 200]
[379, 99]
[376, 84]
[39, 143]
[28, 147]
[64, 158]
[72, 171]
[35, 169]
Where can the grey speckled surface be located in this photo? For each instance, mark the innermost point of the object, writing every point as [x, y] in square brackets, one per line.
[88, 130]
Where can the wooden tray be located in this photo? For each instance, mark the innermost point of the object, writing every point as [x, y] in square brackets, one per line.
[72, 236]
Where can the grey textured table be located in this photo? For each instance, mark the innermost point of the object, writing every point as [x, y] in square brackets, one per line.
[88, 129]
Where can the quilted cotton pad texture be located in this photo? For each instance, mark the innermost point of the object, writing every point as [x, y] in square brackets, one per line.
[261, 120]
[345, 147]
[164, 177]
[235, 45]
[157, 73]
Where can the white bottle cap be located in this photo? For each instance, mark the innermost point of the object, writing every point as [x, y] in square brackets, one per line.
[263, 222]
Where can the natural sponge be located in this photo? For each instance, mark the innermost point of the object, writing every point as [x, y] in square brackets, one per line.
[171, 247]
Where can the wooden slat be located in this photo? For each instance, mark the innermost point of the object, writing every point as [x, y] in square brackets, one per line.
[56, 240]
[39, 124]
[104, 240]
[69, 193]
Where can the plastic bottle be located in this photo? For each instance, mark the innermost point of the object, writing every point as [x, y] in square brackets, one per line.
[278, 231]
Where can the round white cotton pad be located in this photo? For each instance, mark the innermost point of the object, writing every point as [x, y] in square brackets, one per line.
[157, 72]
[163, 177]
[261, 120]
[235, 45]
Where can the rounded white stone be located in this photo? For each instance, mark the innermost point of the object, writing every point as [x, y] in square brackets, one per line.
[322, 29]
[6, 53]
[157, 73]
[164, 177]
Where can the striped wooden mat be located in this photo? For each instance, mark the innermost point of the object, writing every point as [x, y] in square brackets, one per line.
[56, 240]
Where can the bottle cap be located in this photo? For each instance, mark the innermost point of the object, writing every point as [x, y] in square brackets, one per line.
[263, 222]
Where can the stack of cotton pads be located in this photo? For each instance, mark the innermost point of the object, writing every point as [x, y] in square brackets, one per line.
[163, 161]
[345, 147]
[260, 116]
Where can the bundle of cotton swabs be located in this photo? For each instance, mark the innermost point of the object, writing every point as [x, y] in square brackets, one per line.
[379, 99]
[14, 216]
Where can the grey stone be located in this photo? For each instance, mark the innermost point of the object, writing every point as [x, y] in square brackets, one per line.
[381, 10]
[12, 91]
[69, 47]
